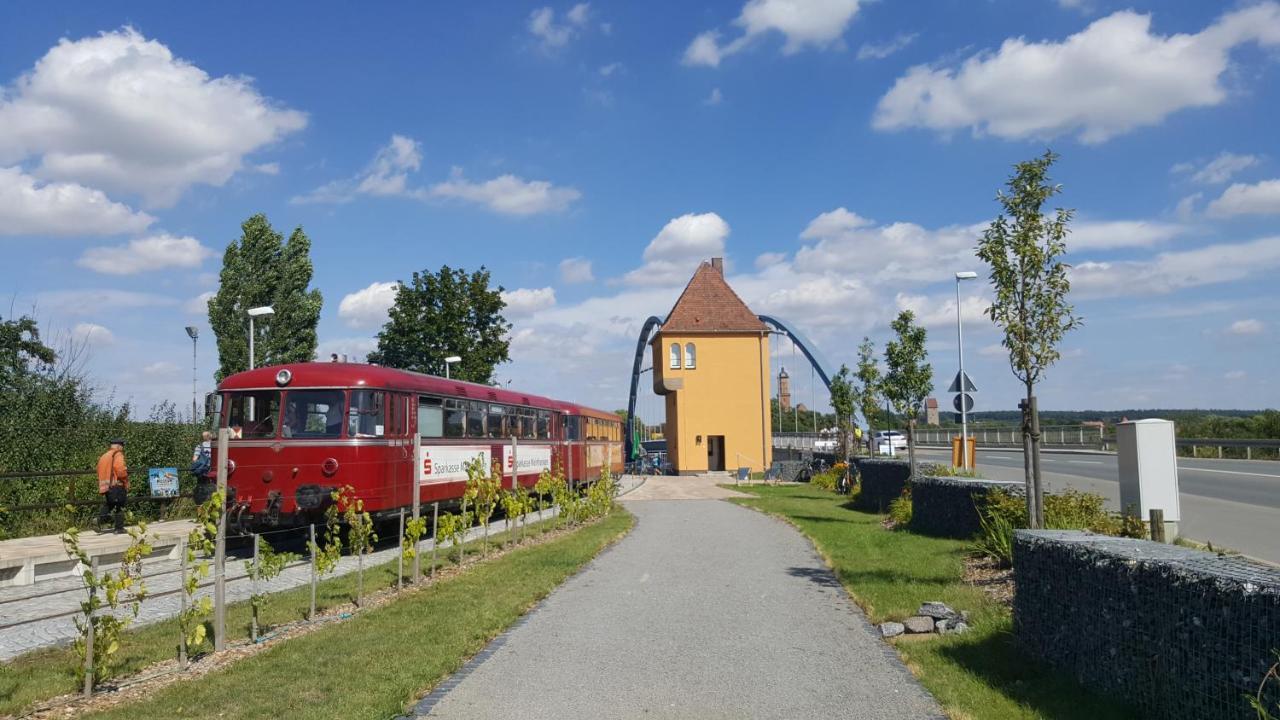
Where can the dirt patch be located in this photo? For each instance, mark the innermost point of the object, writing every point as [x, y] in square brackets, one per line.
[994, 580]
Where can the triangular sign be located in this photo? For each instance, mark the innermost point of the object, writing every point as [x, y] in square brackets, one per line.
[968, 384]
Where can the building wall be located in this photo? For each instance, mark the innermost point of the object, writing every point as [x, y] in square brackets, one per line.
[727, 393]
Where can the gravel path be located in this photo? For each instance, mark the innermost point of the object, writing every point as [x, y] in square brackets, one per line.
[706, 610]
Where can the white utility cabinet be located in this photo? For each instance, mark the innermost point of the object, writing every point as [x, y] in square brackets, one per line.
[1148, 463]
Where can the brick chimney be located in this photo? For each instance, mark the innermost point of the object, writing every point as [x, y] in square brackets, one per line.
[718, 264]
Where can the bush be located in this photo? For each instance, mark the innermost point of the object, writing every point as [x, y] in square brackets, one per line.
[900, 510]
[825, 480]
[945, 470]
[1004, 512]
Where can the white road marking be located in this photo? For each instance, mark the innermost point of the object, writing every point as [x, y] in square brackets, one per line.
[1225, 472]
[998, 457]
[1085, 462]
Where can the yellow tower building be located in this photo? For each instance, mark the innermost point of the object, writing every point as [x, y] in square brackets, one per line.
[711, 361]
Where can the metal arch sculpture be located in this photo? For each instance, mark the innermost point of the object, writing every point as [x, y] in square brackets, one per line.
[641, 343]
[810, 351]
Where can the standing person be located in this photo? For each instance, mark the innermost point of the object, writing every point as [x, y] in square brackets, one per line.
[113, 484]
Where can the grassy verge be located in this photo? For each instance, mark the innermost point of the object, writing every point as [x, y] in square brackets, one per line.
[370, 666]
[981, 674]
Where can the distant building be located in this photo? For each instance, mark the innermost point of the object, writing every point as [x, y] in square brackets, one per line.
[711, 362]
[784, 390]
[931, 411]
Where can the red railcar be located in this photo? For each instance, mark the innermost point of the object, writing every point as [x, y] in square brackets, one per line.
[300, 431]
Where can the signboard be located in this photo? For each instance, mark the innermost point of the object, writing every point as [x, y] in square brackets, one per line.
[595, 455]
[968, 384]
[533, 459]
[447, 464]
[163, 481]
[967, 401]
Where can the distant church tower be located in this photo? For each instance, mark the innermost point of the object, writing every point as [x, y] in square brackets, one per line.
[784, 390]
[711, 363]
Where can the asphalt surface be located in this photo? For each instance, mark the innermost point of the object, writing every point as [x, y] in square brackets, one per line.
[705, 610]
[1231, 503]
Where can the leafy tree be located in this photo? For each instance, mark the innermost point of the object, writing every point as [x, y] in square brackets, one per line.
[450, 312]
[868, 393]
[1024, 249]
[908, 379]
[260, 268]
[20, 345]
[842, 401]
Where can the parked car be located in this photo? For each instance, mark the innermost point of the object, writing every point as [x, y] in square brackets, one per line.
[887, 440]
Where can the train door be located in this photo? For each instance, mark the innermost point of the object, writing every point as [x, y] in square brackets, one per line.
[399, 454]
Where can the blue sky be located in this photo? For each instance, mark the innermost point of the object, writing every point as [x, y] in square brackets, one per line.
[842, 155]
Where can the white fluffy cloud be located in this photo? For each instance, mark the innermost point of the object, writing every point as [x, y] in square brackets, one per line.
[1248, 326]
[1111, 77]
[1261, 198]
[804, 23]
[674, 253]
[355, 348]
[552, 35]
[847, 242]
[940, 311]
[158, 252]
[527, 301]
[1218, 170]
[91, 335]
[880, 51]
[576, 270]
[1171, 271]
[387, 174]
[61, 208]
[1098, 235]
[367, 308]
[118, 111]
[199, 305]
[508, 194]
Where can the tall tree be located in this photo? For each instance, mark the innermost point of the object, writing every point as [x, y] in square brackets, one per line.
[1024, 249]
[868, 393]
[260, 268]
[450, 312]
[908, 379]
[20, 346]
[842, 401]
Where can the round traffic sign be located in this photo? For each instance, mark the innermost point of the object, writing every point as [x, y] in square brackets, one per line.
[967, 401]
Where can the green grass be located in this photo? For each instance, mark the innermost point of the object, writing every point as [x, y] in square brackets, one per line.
[981, 674]
[369, 666]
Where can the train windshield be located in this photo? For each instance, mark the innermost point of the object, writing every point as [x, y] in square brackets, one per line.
[312, 414]
[255, 412]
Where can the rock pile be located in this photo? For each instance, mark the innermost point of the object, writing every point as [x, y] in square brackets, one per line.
[931, 617]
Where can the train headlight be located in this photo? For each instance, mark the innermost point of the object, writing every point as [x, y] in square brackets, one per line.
[329, 466]
[283, 377]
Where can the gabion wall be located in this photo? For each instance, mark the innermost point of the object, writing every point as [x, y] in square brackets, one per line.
[948, 506]
[1177, 632]
[882, 482]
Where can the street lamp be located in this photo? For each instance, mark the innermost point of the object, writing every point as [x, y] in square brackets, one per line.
[964, 409]
[193, 333]
[449, 361]
[253, 313]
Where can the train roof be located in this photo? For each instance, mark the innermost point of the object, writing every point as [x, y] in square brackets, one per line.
[340, 374]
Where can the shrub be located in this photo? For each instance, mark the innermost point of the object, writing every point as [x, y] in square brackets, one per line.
[945, 470]
[900, 510]
[1003, 512]
[825, 480]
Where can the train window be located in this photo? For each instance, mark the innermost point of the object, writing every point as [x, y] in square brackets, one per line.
[430, 417]
[690, 356]
[312, 414]
[544, 425]
[397, 415]
[475, 419]
[455, 418]
[528, 423]
[255, 413]
[497, 421]
[368, 414]
[573, 428]
[675, 356]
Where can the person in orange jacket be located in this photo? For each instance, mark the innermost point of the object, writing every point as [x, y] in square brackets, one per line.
[113, 484]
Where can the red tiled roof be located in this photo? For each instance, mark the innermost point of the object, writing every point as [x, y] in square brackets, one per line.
[709, 305]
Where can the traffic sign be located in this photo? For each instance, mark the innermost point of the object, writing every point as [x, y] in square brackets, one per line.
[968, 384]
[967, 400]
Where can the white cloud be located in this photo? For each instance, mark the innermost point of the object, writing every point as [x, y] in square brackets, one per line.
[576, 270]
[1096, 235]
[527, 301]
[1112, 77]
[271, 168]
[92, 335]
[769, 259]
[385, 175]
[1171, 271]
[60, 208]
[89, 302]
[1248, 326]
[1235, 375]
[677, 249]
[508, 194]
[714, 98]
[993, 350]
[367, 308]
[940, 311]
[120, 112]
[1262, 198]
[160, 367]
[552, 35]
[199, 305]
[1218, 170]
[880, 51]
[611, 68]
[847, 242]
[355, 348]
[804, 23]
[158, 252]
[1186, 208]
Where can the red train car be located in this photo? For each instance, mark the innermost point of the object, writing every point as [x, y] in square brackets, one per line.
[300, 431]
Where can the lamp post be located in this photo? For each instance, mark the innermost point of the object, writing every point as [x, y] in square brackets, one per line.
[253, 313]
[964, 408]
[449, 361]
[193, 333]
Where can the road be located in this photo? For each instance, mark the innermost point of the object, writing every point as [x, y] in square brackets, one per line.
[1230, 503]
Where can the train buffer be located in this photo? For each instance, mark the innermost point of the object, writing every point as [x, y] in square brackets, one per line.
[26, 561]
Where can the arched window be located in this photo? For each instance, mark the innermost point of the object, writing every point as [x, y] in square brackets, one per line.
[690, 356]
[675, 356]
